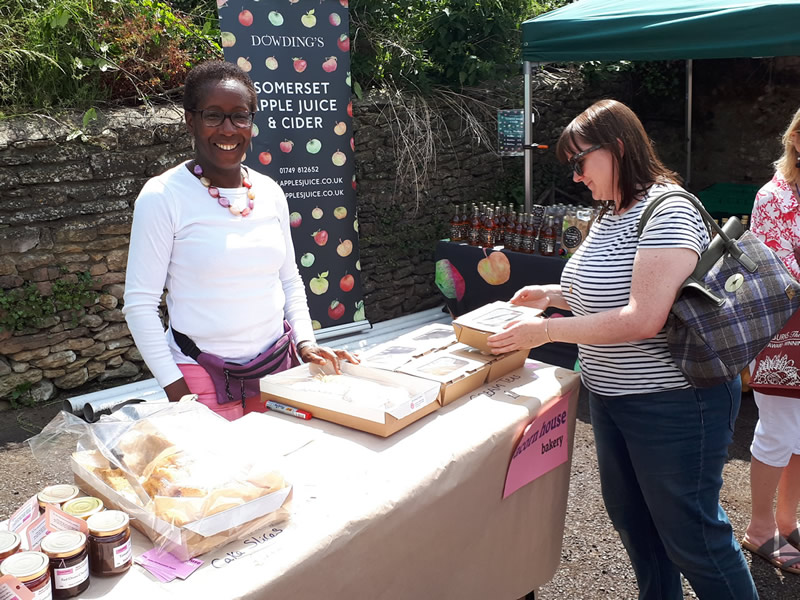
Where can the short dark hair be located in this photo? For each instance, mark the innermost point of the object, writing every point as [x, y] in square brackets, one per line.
[604, 123]
[212, 72]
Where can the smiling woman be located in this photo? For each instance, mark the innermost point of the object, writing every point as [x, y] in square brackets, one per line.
[216, 234]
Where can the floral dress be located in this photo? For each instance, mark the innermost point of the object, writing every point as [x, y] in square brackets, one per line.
[776, 220]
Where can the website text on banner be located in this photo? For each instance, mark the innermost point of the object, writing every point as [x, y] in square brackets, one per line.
[298, 56]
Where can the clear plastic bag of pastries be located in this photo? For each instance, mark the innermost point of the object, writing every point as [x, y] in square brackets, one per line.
[188, 477]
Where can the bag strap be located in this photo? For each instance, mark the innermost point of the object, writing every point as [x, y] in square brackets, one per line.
[728, 242]
[186, 344]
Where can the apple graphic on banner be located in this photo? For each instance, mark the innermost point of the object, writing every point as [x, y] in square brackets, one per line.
[344, 248]
[286, 146]
[495, 268]
[313, 146]
[340, 212]
[329, 66]
[307, 259]
[265, 158]
[320, 236]
[317, 212]
[352, 144]
[255, 131]
[344, 3]
[340, 128]
[347, 282]
[228, 39]
[275, 18]
[243, 64]
[350, 109]
[358, 264]
[449, 280]
[336, 310]
[319, 284]
[295, 219]
[272, 63]
[344, 43]
[338, 158]
[316, 325]
[221, 3]
[355, 225]
[359, 314]
[246, 18]
[299, 64]
[347, 79]
[353, 182]
[334, 19]
[308, 19]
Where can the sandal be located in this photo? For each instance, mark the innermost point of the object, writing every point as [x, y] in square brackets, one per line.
[794, 538]
[770, 551]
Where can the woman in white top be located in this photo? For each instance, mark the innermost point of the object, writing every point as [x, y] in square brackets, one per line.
[216, 234]
[661, 444]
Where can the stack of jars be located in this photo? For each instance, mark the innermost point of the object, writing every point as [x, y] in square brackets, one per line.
[62, 567]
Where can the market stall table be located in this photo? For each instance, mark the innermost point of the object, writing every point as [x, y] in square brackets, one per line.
[417, 515]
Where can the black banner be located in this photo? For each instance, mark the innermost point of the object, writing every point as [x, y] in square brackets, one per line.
[297, 52]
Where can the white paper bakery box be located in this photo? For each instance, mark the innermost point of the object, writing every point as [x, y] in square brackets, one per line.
[197, 537]
[419, 398]
[394, 354]
[460, 369]
[476, 326]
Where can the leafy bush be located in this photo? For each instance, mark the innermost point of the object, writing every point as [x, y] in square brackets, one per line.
[76, 53]
[25, 307]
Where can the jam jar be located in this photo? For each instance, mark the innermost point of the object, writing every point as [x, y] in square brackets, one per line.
[9, 544]
[69, 562]
[57, 495]
[110, 550]
[32, 570]
[83, 507]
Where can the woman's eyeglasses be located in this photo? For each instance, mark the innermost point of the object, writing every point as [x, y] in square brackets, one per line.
[215, 118]
[576, 162]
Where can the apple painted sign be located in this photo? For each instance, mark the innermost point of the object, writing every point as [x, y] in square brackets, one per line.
[297, 52]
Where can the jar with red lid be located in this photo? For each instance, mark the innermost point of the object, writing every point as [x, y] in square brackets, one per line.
[69, 562]
[9, 544]
[110, 550]
[32, 569]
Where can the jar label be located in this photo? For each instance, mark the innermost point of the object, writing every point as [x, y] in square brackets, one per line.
[44, 593]
[70, 577]
[122, 554]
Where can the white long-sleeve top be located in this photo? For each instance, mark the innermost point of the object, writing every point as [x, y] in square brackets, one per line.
[231, 280]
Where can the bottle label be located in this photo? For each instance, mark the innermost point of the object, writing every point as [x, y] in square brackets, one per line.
[572, 237]
[70, 577]
[122, 554]
[473, 236]
[527, 244]
[455, 233]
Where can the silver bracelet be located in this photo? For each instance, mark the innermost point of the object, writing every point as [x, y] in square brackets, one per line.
[303, 344]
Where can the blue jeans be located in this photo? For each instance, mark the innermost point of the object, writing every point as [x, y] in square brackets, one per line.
[661, 456]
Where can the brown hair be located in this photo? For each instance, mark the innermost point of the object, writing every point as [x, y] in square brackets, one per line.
[607, 123]
[786, 165]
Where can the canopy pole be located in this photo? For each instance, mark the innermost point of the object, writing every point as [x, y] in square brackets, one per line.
[528, 114]
[688, 177]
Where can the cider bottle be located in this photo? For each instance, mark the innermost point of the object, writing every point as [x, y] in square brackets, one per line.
[508, 234]
[490, 228]
[528, 235]
[518, 232]
[547, 237]
[455, 225]
[474, 227]
[500, 231]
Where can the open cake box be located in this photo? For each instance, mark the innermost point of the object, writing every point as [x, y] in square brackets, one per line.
[372, 400]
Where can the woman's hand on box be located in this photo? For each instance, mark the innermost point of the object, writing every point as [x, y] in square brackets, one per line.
[319, 355]
[517, 335]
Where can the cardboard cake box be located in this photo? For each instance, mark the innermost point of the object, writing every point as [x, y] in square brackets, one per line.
[421, 341]
[460, 369]
[318, 390]
[475, 327]
[197, 537]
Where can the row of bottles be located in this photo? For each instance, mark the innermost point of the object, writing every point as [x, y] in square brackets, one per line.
[538, 231]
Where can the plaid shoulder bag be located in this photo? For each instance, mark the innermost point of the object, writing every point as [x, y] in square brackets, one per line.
[738, 297]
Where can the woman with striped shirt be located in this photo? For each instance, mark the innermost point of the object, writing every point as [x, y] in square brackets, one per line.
[661, 444]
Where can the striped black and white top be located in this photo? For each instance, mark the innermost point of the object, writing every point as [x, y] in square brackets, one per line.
[598, 278]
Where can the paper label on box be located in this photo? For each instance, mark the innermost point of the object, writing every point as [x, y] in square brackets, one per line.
[24, 515]
[12, 588]
[58, 520]
[542, 447]
[417, 402]
[36, 532]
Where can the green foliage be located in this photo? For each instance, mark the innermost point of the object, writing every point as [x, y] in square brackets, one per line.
[25, 307]
[21, 395]
[76, 53]
[418, 44]
[652, 79]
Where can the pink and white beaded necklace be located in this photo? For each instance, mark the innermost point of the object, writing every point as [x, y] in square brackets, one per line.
[238, 207]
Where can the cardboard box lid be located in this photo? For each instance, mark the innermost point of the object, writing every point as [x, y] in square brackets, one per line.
[394, 354]
[421, 392]
[492, 317]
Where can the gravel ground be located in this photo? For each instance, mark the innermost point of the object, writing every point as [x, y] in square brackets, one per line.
[593, 562]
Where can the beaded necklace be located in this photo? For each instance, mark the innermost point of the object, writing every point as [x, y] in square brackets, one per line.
[234, 207]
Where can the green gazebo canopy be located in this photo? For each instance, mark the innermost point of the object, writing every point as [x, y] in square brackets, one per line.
[663, 30]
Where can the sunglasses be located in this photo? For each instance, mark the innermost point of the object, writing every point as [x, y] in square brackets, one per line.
[215, 118]
[576, 162]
